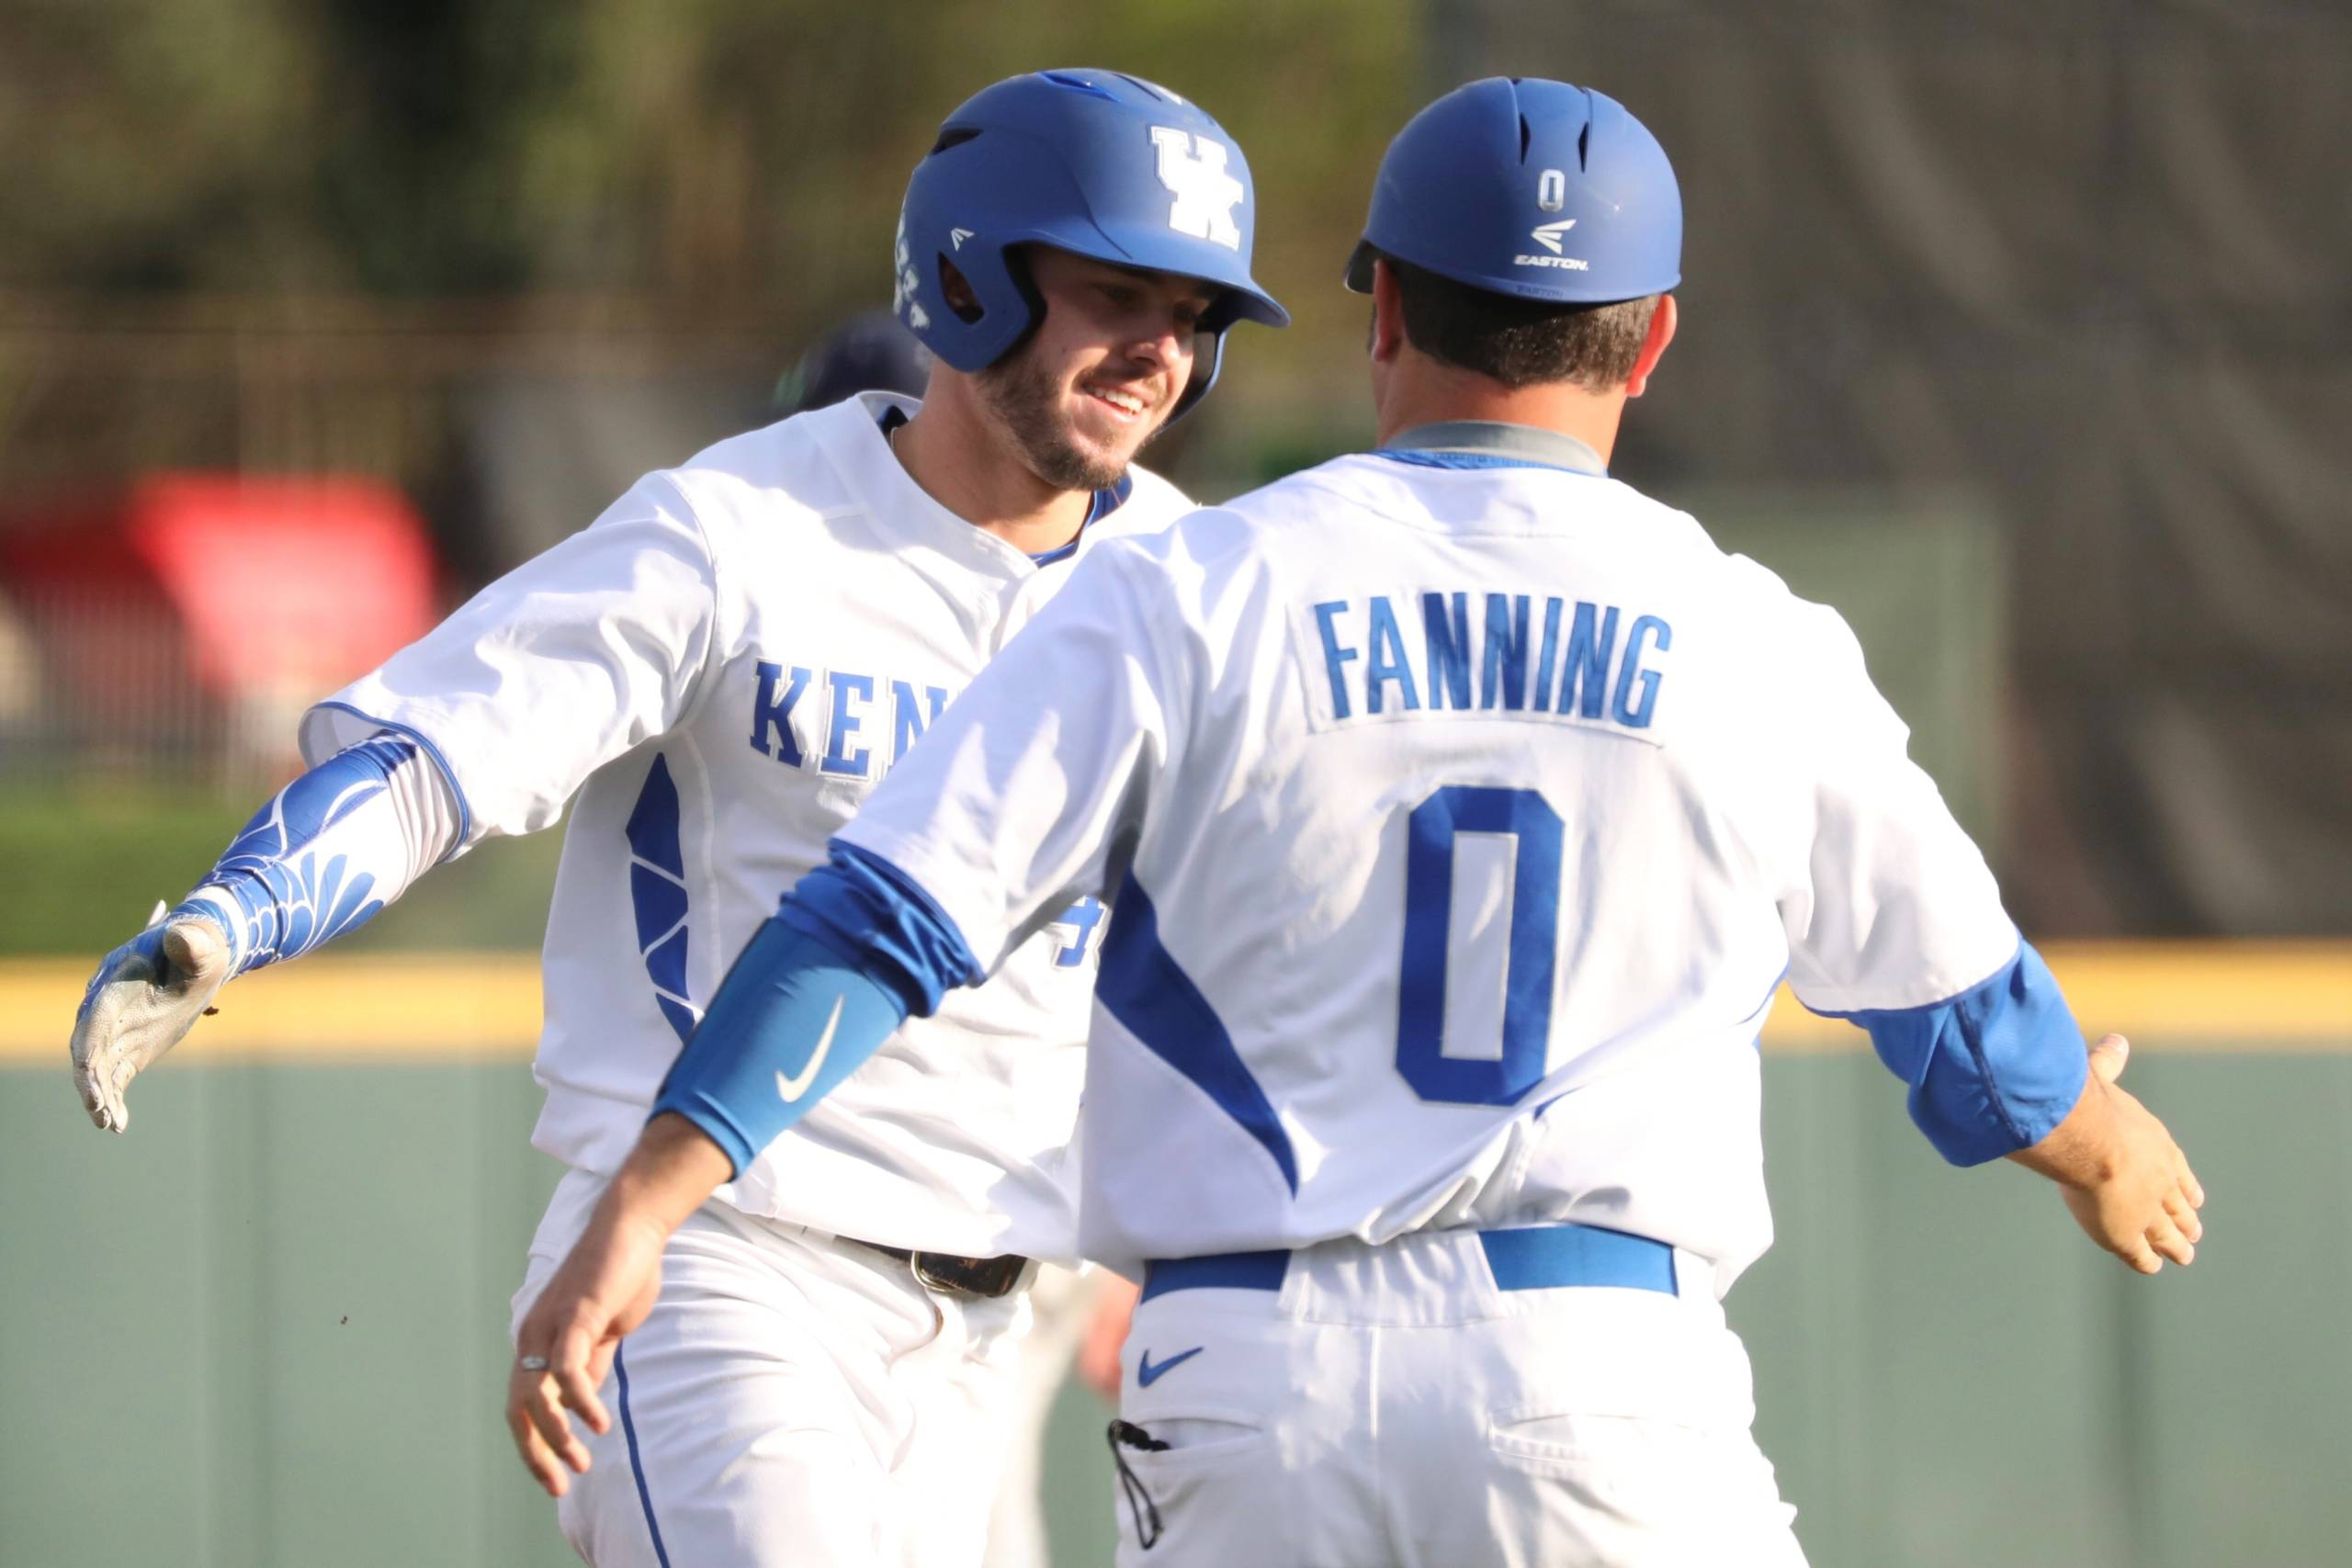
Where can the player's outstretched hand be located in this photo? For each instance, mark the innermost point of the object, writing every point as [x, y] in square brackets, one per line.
[144, 996]
[2124, 1180]
[602, 1290]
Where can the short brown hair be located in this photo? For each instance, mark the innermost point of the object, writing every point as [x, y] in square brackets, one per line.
[1521, 342]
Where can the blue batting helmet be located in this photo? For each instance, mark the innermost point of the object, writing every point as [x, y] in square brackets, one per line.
[1531, 188]
[1094, 163]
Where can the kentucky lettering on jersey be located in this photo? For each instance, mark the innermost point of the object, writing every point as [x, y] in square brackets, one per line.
[856, 726]
[1388, 655]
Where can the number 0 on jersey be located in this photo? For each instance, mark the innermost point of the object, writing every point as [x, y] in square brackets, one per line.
[1481, 902]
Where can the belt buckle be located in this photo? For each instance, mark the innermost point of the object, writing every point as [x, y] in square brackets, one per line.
[983, 1278]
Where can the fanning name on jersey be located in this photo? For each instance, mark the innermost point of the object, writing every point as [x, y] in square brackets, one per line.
[1393, 655]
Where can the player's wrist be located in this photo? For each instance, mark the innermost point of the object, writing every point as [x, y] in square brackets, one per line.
[213, 904]
[2082, 1152]
[672, 1172]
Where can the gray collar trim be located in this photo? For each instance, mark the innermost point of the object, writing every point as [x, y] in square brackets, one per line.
[1491, 438]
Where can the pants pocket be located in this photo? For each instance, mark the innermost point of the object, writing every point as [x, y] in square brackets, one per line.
[1619, 1489]
[1195, 1486]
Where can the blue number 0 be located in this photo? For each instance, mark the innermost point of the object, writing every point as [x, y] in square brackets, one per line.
[1431, 832]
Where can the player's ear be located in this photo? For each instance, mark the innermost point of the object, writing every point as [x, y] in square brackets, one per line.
[1662, 324]
[1387, 313]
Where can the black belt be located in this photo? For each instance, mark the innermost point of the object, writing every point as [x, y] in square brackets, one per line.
[985, 1277]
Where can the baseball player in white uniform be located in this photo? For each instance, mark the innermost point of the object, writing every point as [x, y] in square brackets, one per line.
[715, 674]
[1462, 809]
[1076, 1320]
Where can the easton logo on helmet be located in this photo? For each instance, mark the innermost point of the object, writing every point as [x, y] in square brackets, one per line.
[1193, 168]
[1548, 236]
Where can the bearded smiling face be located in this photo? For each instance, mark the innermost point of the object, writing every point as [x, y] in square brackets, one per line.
[1102, 371]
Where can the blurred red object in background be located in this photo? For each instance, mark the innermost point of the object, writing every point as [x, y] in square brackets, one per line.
[252, 595]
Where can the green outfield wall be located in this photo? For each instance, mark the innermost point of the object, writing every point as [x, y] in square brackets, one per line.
[266, 1329]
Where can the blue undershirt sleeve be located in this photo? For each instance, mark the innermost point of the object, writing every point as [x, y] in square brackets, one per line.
[1992, 1070]
[853, 950]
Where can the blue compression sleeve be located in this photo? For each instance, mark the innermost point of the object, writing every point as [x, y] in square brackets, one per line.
[790, 1021]
[1991, 1070]
[289, 881]
[853, 950]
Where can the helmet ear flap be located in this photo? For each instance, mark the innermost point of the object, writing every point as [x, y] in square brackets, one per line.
[1208, 358]
[1033, 303]
[973, 311]
[998, 307]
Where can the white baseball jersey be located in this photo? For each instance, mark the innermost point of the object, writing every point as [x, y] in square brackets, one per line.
[720, 669]
[1459, 823]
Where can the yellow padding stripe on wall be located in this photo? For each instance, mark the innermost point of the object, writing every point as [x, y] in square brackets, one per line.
[392, 1008]
[2206, 996]
[2267, 997]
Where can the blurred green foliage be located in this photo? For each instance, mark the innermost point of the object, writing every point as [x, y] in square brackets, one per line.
[704, 150]
[99, 858]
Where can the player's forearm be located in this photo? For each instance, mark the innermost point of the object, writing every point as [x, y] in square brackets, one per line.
[329, 852]
[672, 1172]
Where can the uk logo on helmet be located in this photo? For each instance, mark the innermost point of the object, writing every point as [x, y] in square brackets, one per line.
[1193, 168]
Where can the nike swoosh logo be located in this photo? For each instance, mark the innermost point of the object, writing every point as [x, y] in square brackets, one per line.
[1146, 1374]
[793, 1088]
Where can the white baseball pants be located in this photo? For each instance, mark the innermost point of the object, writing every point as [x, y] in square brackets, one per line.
[1396, 1408]
[793, 1401]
